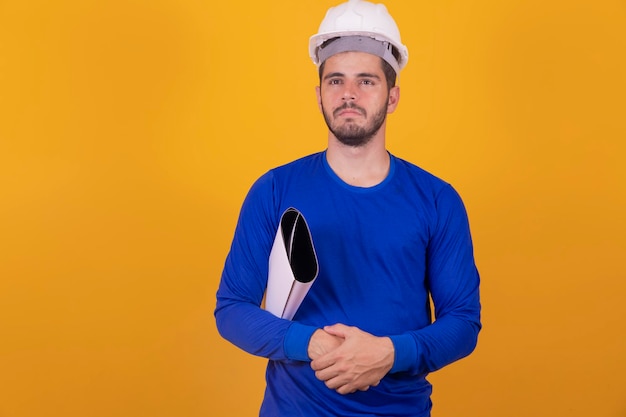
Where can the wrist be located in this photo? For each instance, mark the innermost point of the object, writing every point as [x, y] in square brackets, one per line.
[405, 352]
[297, 341]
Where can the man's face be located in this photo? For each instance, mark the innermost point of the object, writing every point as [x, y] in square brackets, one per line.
[354, 98]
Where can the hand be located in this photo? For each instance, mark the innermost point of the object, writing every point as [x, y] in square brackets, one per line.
[360, 362]
[321, 343]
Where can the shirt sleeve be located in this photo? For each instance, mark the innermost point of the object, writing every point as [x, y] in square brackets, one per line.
[238, 313]
[453, 282]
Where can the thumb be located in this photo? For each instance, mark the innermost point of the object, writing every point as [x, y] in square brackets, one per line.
[339, 330]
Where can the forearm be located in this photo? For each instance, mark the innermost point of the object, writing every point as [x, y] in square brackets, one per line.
[259, 332]
[426, 350]
[252, 329]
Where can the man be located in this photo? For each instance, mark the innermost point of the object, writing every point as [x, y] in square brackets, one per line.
[387, 235]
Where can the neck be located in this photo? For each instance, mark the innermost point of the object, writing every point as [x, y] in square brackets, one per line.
[363, 166]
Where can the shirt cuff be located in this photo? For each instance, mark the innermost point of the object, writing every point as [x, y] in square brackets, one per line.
[405, 352]
[296, 342]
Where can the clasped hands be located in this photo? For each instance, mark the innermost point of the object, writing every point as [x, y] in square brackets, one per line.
[348, 359]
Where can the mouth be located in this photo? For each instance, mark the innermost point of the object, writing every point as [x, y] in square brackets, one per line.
[349, 113]
[345, 111]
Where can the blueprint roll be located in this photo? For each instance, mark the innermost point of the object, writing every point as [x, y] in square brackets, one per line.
[293, 265]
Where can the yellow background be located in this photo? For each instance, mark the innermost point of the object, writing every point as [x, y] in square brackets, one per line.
[131, 130]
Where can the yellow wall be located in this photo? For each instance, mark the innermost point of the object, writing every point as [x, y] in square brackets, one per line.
[131, 130]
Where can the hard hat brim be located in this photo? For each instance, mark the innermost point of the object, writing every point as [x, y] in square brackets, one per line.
[318, 40]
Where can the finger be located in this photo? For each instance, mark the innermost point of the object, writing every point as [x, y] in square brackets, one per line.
[336, 383]
[346, 389]
[327, 375]
[343, 386]
[323, 362]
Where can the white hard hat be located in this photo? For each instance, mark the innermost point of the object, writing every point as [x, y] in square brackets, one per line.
[361, 19]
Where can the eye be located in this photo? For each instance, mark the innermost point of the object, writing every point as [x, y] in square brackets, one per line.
[367, 82]
[334, 81]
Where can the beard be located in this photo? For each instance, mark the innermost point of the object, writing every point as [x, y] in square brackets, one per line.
[351, 134]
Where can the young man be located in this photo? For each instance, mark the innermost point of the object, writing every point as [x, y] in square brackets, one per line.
[387, 235]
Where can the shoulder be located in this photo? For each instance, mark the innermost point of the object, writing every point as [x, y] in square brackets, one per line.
[440, 193]
[408, 171]
[287, 170]
[301, 171]
[289, 179]
[300, 164]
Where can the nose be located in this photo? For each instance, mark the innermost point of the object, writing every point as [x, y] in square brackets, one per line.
[349, 93]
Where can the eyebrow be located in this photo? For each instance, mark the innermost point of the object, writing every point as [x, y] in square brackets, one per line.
[360, 75]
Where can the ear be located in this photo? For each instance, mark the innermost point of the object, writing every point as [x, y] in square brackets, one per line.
[394, 98]
[318, 93]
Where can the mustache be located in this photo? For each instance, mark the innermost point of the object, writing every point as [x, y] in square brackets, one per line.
[349, 105]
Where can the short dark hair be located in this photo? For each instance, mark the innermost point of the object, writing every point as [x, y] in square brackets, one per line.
[390, 73]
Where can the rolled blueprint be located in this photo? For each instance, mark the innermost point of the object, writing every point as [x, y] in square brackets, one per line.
[293, 265]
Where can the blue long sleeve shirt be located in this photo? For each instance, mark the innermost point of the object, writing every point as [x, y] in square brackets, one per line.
[381, 251]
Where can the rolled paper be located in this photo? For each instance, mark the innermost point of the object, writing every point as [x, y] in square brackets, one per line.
[293, 265]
